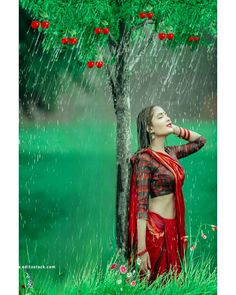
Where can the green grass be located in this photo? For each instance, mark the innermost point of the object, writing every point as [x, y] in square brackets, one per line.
[67, 199]
[197, 277]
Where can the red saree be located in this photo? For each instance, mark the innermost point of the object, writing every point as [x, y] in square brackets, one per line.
[165, 238]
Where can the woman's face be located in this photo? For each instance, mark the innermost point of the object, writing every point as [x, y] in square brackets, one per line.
[161, 123]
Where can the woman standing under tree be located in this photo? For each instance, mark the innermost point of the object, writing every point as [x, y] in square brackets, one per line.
[156, 208]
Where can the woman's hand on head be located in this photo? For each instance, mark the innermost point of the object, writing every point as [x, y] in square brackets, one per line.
[175, 129]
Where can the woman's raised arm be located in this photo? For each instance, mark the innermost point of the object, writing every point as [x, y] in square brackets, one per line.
[196, 142]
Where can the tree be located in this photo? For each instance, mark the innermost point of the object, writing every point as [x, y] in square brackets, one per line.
[72, 18]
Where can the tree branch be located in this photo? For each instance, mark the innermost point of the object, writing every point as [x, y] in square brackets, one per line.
[110, 79]
[112, 40]
[112, 84]
[112, 45]
[142, 50]
[147, 21]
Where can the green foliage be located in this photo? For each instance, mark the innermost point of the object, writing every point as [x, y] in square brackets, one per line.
[74, 18]
[45, 77]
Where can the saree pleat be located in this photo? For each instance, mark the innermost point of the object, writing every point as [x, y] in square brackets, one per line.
[162, 246]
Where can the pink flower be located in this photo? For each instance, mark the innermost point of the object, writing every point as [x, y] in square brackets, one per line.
[123, 269]
[204, 236]
[114, 265]
[133, 283]
[193, 248]
[213, 227]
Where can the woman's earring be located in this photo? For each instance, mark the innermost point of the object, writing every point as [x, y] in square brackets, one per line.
[152, 135]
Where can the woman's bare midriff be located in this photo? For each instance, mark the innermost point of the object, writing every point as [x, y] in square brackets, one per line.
[163, 205]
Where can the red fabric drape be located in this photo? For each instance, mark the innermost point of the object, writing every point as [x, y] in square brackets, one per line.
[178, 172]
[162, 246]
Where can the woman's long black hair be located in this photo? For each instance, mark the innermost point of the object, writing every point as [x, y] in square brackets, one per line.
[144, 119]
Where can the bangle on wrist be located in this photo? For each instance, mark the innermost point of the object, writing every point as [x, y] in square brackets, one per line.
[180, 131]
[142, 252]
[188, 134]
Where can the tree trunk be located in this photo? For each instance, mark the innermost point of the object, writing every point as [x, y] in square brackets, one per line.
[123, 139]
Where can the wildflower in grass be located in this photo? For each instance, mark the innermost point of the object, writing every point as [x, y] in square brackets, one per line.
[133, 283]
[213, 227]
[185, 238]
[114, 265]
[204, 236]
[123, 269]
[133, 271]
[193, 247]
[119, 281]
[129, 274]
[138, 261]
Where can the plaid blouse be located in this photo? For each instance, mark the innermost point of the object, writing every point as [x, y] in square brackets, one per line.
[154, 179]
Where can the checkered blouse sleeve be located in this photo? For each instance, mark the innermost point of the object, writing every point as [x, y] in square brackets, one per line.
[188, 148]
[143, 178]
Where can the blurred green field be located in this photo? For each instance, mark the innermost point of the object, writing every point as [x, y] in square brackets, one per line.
[67, 194]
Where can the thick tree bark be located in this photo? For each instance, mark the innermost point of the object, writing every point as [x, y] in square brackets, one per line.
[123, 156]
[123, 115]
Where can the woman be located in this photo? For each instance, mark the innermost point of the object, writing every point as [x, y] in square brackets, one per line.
[156, 209]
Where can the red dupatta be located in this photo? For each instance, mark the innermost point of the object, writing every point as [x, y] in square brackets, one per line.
[178, 172]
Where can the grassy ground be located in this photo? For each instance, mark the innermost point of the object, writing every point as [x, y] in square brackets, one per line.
[197, 277]
[67, 206]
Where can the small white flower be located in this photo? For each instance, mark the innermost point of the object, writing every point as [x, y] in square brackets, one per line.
[138, 261]
[121, 289]
[129, 274]
[119, 282]
[133, 271]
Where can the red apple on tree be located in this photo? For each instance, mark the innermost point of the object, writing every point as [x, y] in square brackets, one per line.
[73, 41]
[150, 15]
[161, 36]
[142, 15]
[64, 40]
[35, 24]
[170, 36]
[45, 24]
[98, 30]
[106, 31]
[99, 64]
[90, 64]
